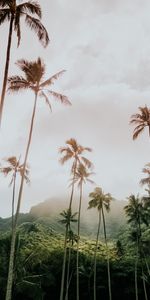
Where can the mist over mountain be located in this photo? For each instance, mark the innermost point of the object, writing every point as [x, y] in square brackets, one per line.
[48, 213]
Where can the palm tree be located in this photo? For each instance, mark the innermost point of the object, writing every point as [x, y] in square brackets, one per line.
[142, 120]
[100, 201]
[136, 215]
[74, 151]
[13, 13]
[14, 167]
[33, 80]
[68, 217]
[108, 197]
[81, 176]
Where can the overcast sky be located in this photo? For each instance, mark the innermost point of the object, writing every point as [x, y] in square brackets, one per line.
[105, 47]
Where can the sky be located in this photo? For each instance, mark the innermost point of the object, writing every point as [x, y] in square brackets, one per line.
[104, 46]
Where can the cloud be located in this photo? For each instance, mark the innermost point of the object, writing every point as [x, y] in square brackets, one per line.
[104, 46]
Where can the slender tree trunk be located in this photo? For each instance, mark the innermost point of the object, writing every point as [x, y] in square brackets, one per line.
[79, 217]
[72, 191]
[13, 240]
[141, 255]
[6, 67]
[108, 263]
[68, 273]
[144, 285]
[135, 274]
[64, 265]
[13, 200]
[70, 207]
[95, 254]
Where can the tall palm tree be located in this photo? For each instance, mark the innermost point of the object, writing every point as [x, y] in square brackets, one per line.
[33, 80]
[74, 151]
[136, 215]
[142, 120]
[81, 176]
[68, 217]
[13, 12]
[14, 167]
[100, 201]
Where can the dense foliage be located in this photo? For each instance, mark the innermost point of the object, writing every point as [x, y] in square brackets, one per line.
[39, 256]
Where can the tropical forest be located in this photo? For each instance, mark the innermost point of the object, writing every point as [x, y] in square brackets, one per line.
[74, 150]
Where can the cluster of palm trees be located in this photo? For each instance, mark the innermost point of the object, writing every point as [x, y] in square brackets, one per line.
[138, 208]
[81, 170]
[137, 214]
[32, 79]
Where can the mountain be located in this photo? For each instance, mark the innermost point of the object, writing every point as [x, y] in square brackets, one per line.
[48, 213]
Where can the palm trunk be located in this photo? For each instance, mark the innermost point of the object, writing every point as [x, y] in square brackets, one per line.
[135, 274]
[64, 265]
[108, 263]
[70, 207]
[68, 273]
[73, 184]
[65, 243]
[144, 285]
[95, 254]
[6, 67]
[141, 254]
[13, 200]
[79, 215]
[13, 240]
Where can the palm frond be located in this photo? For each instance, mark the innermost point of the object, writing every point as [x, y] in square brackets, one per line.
[146, 170]
[65, 158]
[73, 143]
[88, 149]
[33, 70]
[51, 80]
[137, 132]
[17, 26]
[17, 83]
[136, 121]
[87, 162]
[62, 98]
[42, 94]
[64, 149]
[5, 170]
[4, 3]
[38, 27]
[145, 181]
[89, 180]
[4, 15]
[12, 160]
[31, 7]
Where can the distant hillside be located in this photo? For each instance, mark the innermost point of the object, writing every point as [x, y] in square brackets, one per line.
[48, 212]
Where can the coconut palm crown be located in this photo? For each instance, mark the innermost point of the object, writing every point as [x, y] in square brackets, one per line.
[33, 80]
[75, 151]
[10, 10]
[99, 199]
[13, 166]
[142, 120]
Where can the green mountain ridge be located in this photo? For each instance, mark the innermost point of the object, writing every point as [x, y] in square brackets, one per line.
[48, 213]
